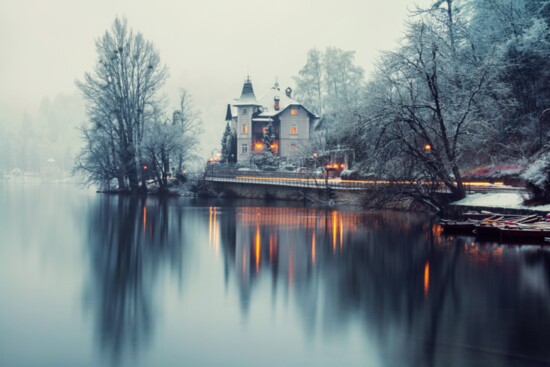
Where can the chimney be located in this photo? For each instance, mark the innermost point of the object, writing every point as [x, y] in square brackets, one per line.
[288, 92]
[276, 105]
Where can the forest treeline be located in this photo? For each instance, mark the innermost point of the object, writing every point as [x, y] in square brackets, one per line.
[468, 86]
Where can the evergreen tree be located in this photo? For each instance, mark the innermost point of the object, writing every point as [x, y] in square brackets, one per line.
[226, 153]
[269, 137]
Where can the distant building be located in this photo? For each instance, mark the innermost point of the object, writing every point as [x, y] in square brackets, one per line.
[292, 122]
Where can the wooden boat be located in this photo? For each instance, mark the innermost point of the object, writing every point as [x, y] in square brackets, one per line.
[478, 215]
[453, 226]
[488, 228]
[502, 227]
[468, 226]
[528, 233]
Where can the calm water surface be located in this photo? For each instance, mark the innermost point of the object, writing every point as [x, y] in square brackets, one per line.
[91, 280]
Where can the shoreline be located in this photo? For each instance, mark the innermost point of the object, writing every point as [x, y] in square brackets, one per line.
[501, 203]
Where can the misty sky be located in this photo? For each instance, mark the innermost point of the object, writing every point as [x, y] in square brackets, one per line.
[209, 46]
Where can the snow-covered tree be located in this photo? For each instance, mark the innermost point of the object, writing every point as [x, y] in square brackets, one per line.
[519, 32]
[309, 82]
[332, 85]
[430, 104]
[189, 126]
[537, 177]
[123, 91]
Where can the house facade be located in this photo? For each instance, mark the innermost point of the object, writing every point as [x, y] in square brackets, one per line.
[291, 123]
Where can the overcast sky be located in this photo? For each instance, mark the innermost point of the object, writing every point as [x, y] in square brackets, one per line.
[209, 46]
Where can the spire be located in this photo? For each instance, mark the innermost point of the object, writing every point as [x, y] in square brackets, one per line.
[247, 88]
[247, 96]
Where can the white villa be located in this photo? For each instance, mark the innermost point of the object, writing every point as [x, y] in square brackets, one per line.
[292, 122]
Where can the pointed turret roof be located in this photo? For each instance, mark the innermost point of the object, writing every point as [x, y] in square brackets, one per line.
[228, 115]
[248, 98]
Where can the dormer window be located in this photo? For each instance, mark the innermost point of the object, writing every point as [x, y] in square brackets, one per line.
[294, 112]
[245, 111]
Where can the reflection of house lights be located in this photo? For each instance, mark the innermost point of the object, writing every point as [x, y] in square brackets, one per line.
[341, 232]
[426, 278]
[313, 245]
[144, 219]
[334, 230]
[258, 247]
[271, 246]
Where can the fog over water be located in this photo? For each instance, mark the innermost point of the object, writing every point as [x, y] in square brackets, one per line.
[209, 46]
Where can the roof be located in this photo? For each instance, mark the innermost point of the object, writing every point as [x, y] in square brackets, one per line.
[248, 98]
[267, 103]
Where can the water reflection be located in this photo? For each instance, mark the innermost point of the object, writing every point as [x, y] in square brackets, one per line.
[420, 297]
[221, 283]
[130, 241]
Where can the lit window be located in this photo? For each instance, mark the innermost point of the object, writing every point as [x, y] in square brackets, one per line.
[244, 149]
[294, 111]
[293, 130]
[264, 130]
[245, 111]
[245, 129]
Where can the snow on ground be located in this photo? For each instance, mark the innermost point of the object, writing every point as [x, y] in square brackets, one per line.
[509, 200]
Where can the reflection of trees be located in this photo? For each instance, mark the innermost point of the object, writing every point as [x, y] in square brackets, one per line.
[130, 240]
[422, 299]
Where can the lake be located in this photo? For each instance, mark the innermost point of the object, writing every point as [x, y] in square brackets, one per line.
[95, 280]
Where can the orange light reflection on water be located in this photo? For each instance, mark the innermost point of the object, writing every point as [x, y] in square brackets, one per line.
[426, 278]
[257, 248]
[213, 230]
[144, 219]
[313, 249]
[334, 230]
[210, 227]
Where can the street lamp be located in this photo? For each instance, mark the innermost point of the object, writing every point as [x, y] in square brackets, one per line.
[215, 156]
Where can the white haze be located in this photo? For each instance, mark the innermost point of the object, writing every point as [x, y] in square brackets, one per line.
[209, 46]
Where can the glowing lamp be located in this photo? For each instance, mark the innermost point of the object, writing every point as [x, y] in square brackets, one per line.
[145, 168]
[427, 148]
